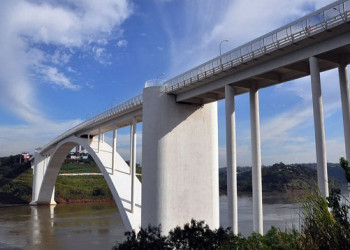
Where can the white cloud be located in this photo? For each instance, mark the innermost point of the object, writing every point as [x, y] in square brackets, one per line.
[206, 24]
[60, 57]
[122, 43]
[52, 75]
[101, 55]
[22, 138]
[25, 27]
[24, 24]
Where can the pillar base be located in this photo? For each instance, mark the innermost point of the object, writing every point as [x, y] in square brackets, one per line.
[36, 203]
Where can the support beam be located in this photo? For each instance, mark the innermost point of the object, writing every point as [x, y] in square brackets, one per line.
[270, 76]
[114, 149]
[345, 102]
[322, 176]
[256, 160]
[210, 96]
[300, 67]
[133, 161]
[231, 158]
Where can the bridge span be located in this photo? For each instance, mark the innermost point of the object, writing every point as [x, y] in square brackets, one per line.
[179, 146]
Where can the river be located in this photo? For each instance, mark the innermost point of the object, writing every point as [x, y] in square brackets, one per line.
[98, 225]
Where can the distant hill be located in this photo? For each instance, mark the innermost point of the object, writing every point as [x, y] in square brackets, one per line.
[283, 178]
[15, 180]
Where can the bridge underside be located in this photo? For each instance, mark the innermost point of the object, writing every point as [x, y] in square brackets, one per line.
[332, 48]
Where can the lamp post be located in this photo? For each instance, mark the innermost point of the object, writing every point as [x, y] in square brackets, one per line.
[220, 50]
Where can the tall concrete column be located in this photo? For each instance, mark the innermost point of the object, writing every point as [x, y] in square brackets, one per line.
[322, 176]
[133, 161]
[179, 161]
[231, 158]
[38, 176]
[256, 160]
[114, 150]
[345, 102]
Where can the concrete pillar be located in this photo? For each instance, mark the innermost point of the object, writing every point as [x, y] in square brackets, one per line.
[231, 158]
[322, 176]
[133, 161]
[114, 149]
[52, 201]
[179, 161]
[345, 102]
[38, 175]
[256, 160]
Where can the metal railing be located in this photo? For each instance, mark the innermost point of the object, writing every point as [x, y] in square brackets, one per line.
[328, 17]
[115, 110]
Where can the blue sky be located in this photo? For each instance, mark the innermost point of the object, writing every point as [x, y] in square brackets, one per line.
[63, 61]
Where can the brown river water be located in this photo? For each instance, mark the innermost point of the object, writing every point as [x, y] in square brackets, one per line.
[99, 226]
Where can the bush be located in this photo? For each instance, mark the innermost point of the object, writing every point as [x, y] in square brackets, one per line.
[198, 235]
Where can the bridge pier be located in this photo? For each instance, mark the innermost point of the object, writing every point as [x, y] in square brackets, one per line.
[256, 159]
[179, 161]
[231, 158]
[345, 101]
[40, 165]
[322, 175]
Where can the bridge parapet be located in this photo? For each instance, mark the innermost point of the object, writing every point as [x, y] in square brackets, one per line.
[321, 20]
[116, 110]
[154, 82]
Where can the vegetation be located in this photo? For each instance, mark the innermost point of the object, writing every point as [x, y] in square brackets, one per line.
[282, 178]
[15, 180]
[79, 188]
[82, 167]
[321, 229]
[325, 225]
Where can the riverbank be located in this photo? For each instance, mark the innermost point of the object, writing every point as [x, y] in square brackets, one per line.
[16, 183]
[82, 182]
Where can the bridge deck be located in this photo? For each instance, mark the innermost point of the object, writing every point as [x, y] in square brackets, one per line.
[279, 56]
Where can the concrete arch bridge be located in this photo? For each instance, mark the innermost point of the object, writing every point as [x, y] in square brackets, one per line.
[180, 131]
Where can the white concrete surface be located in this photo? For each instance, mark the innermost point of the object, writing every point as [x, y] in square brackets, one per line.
[345, 102]
[256, 160]
[179, 162]
[231, 158]
[321, 157]
[119, 183]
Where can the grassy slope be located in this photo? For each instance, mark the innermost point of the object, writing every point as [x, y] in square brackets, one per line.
[16, 182]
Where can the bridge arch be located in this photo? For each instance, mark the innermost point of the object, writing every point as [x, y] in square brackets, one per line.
[118, 182]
